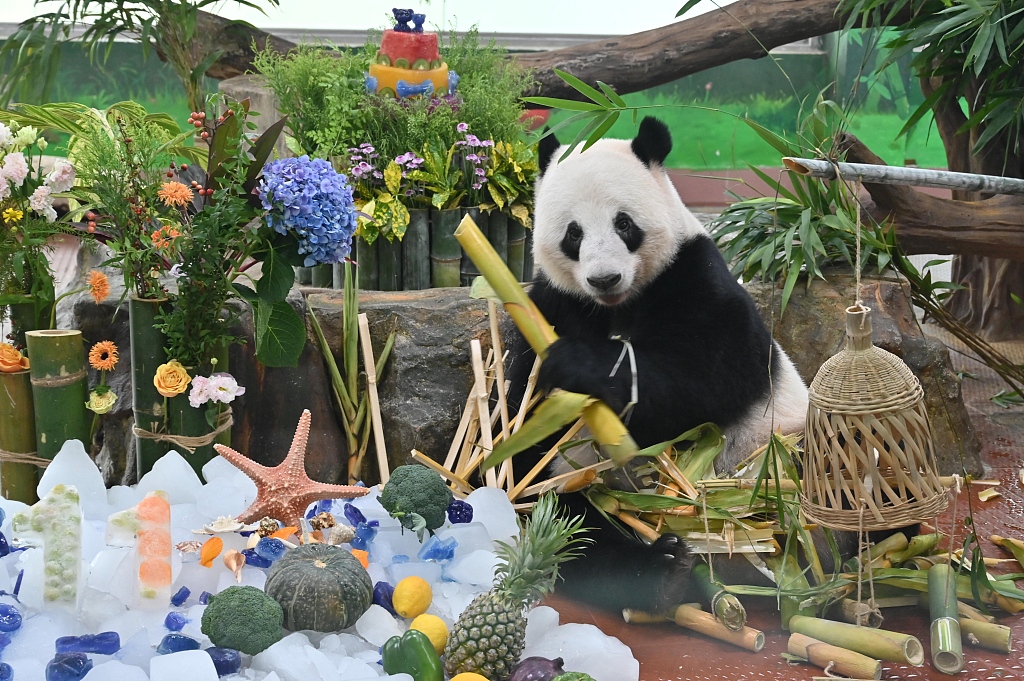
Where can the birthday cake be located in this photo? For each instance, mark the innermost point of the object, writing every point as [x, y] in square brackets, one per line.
[408, 63]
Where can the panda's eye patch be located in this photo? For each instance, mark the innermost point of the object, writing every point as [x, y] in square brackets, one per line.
[572, 241]
[624, 223]
[574, 232]
[628, 231]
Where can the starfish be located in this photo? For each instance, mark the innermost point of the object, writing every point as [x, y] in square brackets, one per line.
[285, 491]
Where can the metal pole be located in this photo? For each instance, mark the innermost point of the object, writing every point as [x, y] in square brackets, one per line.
[918, 177]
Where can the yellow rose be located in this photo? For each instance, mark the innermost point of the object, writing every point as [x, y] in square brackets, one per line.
[11, 360]
[171, 379]
[101, 403]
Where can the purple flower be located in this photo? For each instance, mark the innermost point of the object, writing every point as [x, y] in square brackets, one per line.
[473, 158]
[355, 157]
[462, 127]
[487, 143]
[366, 147]
[472, 141]
[481, 172]
[477, 185]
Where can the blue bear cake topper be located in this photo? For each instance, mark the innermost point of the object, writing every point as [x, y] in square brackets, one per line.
[404, 16]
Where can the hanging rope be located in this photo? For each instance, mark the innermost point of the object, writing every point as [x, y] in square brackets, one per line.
[863, 546]
[856, 198]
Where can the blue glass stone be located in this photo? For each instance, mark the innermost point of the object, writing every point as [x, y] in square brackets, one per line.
[365, 532]
[175, 621]
[3, 516]
[106, 643]
[204, 597]
[5, 548]
[178, 599]
[226, 660]
[353, 515]
[382, 595]
[68, 667]
[6, 672]
[460, 511]
[437, 549]
[10, 618]
[175, 643]
[400, 558]
[254, 559]
[270, 549]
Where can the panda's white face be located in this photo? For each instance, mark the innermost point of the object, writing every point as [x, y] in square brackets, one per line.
[606, 223]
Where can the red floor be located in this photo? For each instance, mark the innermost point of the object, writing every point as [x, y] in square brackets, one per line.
[667, 652]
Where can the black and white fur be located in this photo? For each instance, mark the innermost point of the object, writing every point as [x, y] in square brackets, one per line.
[621, 257]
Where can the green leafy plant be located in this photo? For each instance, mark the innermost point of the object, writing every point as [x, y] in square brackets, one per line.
[171, 27]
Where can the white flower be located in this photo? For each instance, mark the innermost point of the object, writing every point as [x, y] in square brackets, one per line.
[50, 214]
[41, 199]
[61, 177]
[5, 187]
[224, 388]
[15, 168]
[200, 393]
[6, 136]
[27, 136]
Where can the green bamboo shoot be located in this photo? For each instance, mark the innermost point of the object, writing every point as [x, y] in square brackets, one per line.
[919, 545]
[947, 647]
[724, 605]
[880, 644]
[705, 623]
[147, 353]
[604, 424]
[893, 543]
[987, 635]
[59, 389]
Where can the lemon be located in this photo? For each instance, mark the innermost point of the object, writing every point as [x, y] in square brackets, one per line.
[435, 629]
[412, 597]
[469, 676]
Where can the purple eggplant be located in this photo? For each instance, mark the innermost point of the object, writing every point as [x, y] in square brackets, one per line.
[537, 669]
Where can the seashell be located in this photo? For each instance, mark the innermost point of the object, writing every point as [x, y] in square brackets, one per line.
[211, 549]
[322, 521]
[341, 534]
[253, 540]
[235, 561]
[189, 546]
[267, 527]
[221, 524]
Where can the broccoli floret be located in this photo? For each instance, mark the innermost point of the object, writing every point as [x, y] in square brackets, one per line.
[418, 497]
[243, 618]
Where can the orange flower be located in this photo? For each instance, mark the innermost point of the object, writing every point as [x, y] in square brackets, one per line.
[11, 360]
[164, 237]
[103, 356]
[175, 194]
[99, 286]
[171, 379]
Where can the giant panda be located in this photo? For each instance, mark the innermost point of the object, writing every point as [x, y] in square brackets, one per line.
[620, 258]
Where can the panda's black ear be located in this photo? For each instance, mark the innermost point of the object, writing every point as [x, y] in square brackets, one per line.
[653, 142]
[546, 149]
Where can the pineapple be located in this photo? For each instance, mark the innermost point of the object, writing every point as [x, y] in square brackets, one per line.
[489, 636]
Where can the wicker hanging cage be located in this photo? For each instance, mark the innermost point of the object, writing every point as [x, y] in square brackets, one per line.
[869, 462]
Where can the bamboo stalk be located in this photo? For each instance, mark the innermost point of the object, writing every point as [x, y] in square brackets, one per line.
[147, 353]
[544, 461]
[837, 660]
[859, 613]
[528, 397]
[947, 646]
[371, 389]
[669, 467]
[705, 623]
[389, 264]
[18, 481]
[368, 272]
[987, 635]
[562, 482]
[605, 425]
[785, 484]
[516, 247]
[321, 276]
[416, 251]
[483, 408]
[59, 389]
[468, 270]
[505, 474]
[422, 458]
[638, 526]
[919, 544]
[497, 233]
[877, 643]
[460, 432]
[724, 605]
[918, 177]
[893, 543]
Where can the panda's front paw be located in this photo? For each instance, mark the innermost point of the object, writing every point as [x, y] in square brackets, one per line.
[571, 365]
[669, 564]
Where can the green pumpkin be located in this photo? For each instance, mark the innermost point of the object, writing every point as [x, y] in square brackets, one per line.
[320, 587]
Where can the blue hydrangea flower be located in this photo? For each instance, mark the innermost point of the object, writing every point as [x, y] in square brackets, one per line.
[313, 201]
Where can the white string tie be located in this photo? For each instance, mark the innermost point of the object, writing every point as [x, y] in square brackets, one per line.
[627, 349]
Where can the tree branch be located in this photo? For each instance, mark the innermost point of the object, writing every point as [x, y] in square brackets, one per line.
[928, 224]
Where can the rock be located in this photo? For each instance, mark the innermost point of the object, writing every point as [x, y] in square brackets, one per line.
[813, 329]
[423, 389]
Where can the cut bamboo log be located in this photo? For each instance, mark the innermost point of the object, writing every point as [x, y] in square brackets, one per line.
[563, 483]
[545, 460]
[918, 177]
[371, 389]
[498, 232]
[468, 268]
[947, 646]
[837, 660]
[147, 353]
[460, 432]
[528, 396]
[987, 635]
[18, 474]
[420, 457]
[880, 644]
[416, 251]
[516, 247]
[604, 424]
[389, 264]
[483, 408]
[919, 545]
[367, 272]
[724, 605]
[893, 543]
[705, 623]
[859, 613]
[59, 389]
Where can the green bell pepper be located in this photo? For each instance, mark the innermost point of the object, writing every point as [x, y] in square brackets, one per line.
[413, 654]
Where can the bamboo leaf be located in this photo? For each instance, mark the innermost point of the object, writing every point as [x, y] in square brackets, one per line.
[557, 411]
[569, 104]
[584, 89]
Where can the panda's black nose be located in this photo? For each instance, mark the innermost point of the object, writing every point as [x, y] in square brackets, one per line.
[604, 283]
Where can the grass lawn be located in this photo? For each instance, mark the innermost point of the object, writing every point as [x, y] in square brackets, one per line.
[720, 139]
